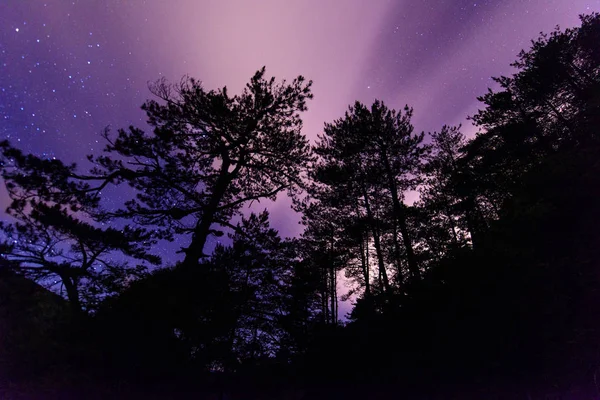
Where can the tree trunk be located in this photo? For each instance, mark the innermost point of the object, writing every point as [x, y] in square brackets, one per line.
[365, 266]
[364, 254]
[376, 242]
[452, 226]
[400, 217]
[397, 255]
[200, 235]
[471, 223]
[334, 315]
[325, 294]
[332, 285]
[72, 293]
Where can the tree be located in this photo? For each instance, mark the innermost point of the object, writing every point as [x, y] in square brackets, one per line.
[444, 196]
[549, 105]
[325, 255]
[371, 156]
[399, 155]
[260, 267]
[53, 238]
[208, 155]
[243, 309]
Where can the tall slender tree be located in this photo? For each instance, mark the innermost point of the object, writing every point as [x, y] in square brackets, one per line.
[448, 208]
[374, 153]
[399, 154]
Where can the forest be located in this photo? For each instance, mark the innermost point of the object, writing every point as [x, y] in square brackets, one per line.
[472, 263]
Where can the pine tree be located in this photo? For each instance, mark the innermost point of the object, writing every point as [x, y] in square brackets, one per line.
[54, 239]
[208, 155]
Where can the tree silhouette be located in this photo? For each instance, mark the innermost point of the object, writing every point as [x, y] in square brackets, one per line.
[324, 255]
[244, 308]
[366, 161]
[549, 105]
[54, 239]
[208, 155]
[444, 197]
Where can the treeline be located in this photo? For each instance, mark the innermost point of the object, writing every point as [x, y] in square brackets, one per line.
[491, 272]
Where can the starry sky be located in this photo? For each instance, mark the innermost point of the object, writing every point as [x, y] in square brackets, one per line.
[68, 69]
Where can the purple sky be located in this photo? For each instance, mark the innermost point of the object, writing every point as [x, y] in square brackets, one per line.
[70, 68]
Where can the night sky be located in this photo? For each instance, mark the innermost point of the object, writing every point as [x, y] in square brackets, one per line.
[70, 68]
